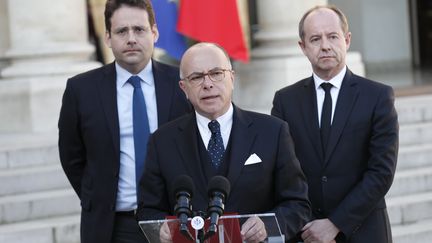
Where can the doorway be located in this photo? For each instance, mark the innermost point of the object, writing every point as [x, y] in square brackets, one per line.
[421, 23]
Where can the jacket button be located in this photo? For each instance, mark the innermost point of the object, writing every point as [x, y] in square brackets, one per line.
[116, 175]
[112, 207]
[318, 212]
[324, 179]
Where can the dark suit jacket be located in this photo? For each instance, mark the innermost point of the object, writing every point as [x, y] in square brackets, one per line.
[89, 142]
[349, 184]
[275, 185]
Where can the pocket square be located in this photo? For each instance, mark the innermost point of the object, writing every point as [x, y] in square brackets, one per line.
[253, 159]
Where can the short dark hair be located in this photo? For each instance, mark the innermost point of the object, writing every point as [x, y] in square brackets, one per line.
[112, 5]
[342, 18]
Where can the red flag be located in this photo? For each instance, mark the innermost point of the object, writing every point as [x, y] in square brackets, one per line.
[214, 21]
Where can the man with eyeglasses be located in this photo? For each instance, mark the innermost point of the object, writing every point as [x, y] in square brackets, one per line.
[253, 151]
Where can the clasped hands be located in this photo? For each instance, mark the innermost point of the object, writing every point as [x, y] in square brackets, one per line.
[319, 231]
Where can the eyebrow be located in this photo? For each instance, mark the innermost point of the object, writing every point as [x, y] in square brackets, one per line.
[326, 34]
[199, 73]
[133, 27]
[313, 36]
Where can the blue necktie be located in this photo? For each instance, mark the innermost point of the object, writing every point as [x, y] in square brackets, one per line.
[141, 130]
[215, 147]
[326, 115]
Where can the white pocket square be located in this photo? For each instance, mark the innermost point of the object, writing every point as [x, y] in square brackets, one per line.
[253, 159]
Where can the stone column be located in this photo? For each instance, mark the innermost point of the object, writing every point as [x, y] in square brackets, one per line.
[4, 30]
[277, 61]
[47, 43]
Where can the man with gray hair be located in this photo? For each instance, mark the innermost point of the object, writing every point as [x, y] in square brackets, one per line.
[253, 151]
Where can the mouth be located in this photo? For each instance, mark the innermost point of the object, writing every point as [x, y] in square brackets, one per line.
[325, 57]
[130, 51]
[209, 98]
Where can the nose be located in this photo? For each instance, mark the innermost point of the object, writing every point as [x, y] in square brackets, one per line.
[131, 37]
[207, 83]
[325, 44]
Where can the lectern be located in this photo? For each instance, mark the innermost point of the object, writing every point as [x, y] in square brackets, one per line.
[228, 229]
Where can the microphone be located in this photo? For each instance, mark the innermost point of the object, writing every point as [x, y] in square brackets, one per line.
[218, 191]
[183, 189]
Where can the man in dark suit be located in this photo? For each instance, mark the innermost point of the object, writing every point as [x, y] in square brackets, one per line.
[257, 155]
[99, 125]
[345, 131]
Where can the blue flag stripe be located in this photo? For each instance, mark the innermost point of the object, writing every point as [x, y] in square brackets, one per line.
[166, 18]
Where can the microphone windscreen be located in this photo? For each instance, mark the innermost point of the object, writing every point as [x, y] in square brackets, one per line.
[219, 184]
[183, 183]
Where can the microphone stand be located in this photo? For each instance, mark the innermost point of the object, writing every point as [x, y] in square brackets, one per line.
[211, 231]
[184, 228]
[200, 233]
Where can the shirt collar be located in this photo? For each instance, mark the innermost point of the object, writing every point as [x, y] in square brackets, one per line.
[225, 120]
[336, 81]
[146, 74]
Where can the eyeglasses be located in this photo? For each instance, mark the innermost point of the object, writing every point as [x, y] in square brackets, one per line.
[216, 75]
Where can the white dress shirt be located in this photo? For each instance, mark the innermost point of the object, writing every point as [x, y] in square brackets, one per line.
[225, 121]
[126, 195]
[336, 81]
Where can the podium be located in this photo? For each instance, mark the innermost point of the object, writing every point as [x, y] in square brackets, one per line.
[228, 229]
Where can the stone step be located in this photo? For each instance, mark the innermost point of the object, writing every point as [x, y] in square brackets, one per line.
[415, 133]
[412, 156]
[47, 153]
[420, 231]
[410, 109]
[64, 229]
[32, 179]
[410, 208]
[411, 181]
[37, 205]
[414, 109]
[23, 150]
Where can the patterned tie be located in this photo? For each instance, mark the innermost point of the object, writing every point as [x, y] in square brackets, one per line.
[141, 130]
[215, 147]
[326, 115]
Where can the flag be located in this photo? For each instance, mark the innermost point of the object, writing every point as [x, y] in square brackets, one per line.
[214, 21]
[166, 19]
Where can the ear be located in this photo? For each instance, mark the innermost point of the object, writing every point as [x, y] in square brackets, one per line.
[232, 78]
[302, 46]
[182, 85]
[107, 39]
[348, 40]
[155, 32]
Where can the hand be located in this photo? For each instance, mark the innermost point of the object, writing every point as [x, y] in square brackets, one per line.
[253, 230]
[165, 234]
[320, 231]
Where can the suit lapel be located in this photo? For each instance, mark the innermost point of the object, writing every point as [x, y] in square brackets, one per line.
[106, 86]
[243, 138]
[187, 143]
[164, 93]
[345, 103]
[310, 115]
